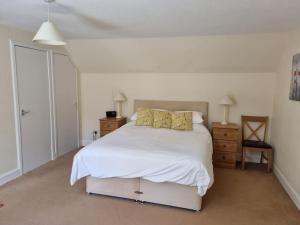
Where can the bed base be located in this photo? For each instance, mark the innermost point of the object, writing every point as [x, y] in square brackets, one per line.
[138, 189]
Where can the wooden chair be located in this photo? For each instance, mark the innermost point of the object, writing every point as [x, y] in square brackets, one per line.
[258, 145]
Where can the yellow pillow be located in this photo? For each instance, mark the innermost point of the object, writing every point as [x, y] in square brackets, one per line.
[162, 119]
[182, 121]
[144, 117]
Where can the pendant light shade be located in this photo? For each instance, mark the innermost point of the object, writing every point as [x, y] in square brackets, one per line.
[48, 34]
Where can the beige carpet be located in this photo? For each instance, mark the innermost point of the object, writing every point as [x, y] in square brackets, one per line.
[44, 197]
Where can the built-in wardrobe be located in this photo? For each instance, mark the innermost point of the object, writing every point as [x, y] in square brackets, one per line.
[45, 104]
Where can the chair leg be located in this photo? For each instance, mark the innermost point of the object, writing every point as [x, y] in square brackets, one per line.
[261, 157]
[270, 159]
[243, 158]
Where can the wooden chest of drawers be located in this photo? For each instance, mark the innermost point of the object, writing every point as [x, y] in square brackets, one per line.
[225, 144]
[108, 125]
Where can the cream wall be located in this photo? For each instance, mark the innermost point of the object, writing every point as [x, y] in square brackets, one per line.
[253, 93]
[201, 68]
[207, 66]
[8, 151]
[286, 123]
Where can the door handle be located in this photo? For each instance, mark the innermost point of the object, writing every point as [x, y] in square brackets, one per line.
[23, 112]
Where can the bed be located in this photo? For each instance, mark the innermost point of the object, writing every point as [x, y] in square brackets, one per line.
[162, 166]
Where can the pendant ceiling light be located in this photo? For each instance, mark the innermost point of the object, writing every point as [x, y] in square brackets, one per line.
[48, 34]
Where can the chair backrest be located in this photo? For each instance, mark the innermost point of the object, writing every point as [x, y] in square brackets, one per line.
[248, 123]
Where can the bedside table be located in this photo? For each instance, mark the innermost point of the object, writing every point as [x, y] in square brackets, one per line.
[108, 125]
[225, 144]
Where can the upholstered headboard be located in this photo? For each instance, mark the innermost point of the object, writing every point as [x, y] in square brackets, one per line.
[174, 106]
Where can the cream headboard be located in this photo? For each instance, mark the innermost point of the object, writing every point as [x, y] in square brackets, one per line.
[174, 106]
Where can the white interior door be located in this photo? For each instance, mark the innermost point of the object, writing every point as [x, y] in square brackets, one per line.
[34, 106]
[65, 89]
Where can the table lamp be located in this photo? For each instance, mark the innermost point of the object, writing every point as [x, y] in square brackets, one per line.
[119, 98]
[226, 101]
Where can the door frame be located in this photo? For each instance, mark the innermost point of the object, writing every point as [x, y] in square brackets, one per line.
[52, 52]
[13, 44]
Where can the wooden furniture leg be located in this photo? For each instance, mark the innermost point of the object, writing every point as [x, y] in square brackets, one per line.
[243, 158]
[270, 159]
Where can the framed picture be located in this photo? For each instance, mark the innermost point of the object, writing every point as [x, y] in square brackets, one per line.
[295, 81]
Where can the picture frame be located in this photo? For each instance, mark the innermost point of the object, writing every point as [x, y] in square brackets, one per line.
[295, 79]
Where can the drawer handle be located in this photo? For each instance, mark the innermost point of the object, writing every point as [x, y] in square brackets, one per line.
[224, 146]
[225, 135]
[139, 192]
[223, 157]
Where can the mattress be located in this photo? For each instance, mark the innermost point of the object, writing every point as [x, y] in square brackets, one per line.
[157, 155]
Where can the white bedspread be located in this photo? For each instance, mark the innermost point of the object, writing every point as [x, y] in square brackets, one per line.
[158, 155]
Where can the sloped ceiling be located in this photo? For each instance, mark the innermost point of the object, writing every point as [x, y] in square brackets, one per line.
[205, 54]
[80, 19]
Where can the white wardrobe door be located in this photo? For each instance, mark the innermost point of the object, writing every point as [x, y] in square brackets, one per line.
[65, 94]
[34, 106]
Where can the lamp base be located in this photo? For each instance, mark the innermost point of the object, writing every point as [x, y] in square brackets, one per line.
[225, 118]
[119, 110]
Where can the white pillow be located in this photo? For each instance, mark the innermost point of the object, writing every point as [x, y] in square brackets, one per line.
[197, 116]
[133, 117]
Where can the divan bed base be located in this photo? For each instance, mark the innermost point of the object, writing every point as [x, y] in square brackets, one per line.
[138, 189]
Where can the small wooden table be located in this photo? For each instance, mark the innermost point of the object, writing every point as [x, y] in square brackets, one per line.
[225, 144]
[108, 125]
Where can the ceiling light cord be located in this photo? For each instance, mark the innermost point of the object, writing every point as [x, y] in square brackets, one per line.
[48, 11]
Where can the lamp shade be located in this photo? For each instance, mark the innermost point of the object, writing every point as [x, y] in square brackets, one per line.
[48, 34]
[119, 97]
[226, 100]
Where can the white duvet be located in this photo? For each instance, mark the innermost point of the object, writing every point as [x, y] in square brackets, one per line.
[158, 155]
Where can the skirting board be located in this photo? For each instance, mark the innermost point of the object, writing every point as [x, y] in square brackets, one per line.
[286, 185]
[10, 175]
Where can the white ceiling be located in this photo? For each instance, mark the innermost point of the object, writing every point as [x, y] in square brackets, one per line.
[154, 18]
